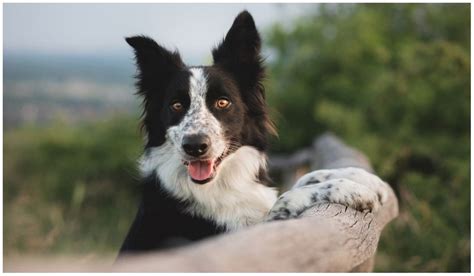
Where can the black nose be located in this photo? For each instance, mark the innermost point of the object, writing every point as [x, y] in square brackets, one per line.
[196, 144]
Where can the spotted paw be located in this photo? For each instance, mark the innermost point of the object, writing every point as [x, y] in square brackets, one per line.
[357, 175]
[352, 187]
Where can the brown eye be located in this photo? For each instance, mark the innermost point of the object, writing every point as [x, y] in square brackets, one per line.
[222, 103]
[176, 106]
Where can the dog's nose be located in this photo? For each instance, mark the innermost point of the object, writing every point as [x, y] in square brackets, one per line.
[196, 144]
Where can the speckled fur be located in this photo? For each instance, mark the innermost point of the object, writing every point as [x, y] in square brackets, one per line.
[353, 187]
[198, 118]
[172, 205]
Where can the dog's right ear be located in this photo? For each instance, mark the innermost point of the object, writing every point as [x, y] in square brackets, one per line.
[239, 52]
[155, 64]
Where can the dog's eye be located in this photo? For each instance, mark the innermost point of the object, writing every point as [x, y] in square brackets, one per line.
[176, 106]
[222, 103]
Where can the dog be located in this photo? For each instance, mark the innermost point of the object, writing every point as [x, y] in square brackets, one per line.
[204, 168]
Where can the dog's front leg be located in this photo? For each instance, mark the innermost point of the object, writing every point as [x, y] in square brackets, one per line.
[352, 187]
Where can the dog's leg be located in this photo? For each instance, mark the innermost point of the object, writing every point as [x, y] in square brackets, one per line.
[145, 234]
[353, 187]
[151, 226]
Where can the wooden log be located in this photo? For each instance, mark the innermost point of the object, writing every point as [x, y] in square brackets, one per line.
[331, 153]
[325, 238]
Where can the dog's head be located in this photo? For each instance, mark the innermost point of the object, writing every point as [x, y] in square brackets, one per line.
[206, 113]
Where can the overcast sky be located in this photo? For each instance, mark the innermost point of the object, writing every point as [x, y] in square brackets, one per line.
[100, 28]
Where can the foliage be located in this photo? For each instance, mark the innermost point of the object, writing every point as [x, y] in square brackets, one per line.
[391, 80]
[70, 189]
[394, 81]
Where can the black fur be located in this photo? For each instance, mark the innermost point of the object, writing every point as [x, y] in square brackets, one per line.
[239, 55]
[158, 68]
[237, 73]
[238, 70]
[161, 222]
[313, 181]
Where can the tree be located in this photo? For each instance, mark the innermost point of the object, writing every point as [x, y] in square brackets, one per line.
[393, 80]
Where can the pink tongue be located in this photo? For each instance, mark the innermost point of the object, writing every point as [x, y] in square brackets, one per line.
[200, 170]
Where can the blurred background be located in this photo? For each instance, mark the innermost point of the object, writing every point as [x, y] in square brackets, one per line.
[392, 80]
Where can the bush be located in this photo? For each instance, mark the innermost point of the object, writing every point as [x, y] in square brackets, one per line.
[394, 81]
[70, 189]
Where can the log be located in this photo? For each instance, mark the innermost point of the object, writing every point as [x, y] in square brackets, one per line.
[325, 238]
[331, 153]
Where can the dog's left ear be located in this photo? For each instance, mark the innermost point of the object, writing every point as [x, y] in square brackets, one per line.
[239, 52]
[156, 65]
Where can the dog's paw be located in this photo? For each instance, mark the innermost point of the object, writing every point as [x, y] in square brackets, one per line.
[356, 175]
[351, 187]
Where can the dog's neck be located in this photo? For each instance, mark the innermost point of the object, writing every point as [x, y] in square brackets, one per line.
[234, 199]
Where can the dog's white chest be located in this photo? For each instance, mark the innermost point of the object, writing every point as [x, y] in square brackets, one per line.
[234, 199]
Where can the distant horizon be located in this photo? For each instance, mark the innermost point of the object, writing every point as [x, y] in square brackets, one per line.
[118, 56]
[71, 61]
[60, 30]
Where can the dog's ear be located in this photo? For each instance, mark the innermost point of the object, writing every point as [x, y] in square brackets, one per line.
[239, 52]
[156, 67]
[155, 64]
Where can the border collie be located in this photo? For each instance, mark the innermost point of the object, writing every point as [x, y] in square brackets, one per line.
[204, 166]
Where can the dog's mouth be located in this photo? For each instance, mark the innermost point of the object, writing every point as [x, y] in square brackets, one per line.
[203, 170]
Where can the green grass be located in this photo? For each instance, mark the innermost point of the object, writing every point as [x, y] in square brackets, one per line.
[69, 189]
[388, 82]
[72, 190]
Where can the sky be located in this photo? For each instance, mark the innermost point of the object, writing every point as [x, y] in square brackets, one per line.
[100, 28]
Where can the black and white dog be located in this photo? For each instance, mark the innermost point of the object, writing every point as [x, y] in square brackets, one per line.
[204, 166]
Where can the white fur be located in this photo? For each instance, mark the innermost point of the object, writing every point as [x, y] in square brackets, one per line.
[353, 187]
[198, 118]
[233, 199]
[357, 175]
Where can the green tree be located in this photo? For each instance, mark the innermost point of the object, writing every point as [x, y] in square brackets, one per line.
[393, 80]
